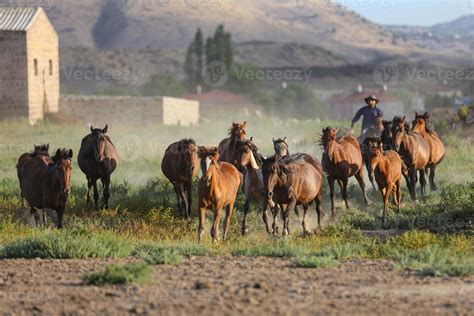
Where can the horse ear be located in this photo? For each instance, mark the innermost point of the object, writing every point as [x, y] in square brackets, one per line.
[91, 127]
[251, 139]
[244, 124]
[47, 147]
[58, 152]
[284, 139]
[104, 131]
[70, 153]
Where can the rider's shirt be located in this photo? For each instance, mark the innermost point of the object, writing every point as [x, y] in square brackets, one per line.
[370, 116]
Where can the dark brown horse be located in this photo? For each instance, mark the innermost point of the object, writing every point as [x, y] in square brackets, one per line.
[281, 147]
[45, 183]
[251, 160]
[217, 189]
[413, 150]
[295, 180]
[228, 147]
[42, 150]
[387, 168]
[342, 159]
[434, 142]
[180, 165]
[98, 159]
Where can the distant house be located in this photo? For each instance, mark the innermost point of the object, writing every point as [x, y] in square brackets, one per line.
[29, 60]
[345, 106]
[217, 102]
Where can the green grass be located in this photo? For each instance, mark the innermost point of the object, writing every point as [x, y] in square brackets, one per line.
[168, 254]
[119, 274]
[315, 261]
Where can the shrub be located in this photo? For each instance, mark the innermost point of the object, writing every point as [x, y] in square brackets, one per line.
[119, 274]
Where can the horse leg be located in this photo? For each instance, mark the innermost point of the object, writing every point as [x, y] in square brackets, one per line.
[215, 225]
[89, 187]
[360, 178]
[306, 231]
[344, 192]
[228, 215]
[422, 181]
[289, 209]
[386, 197]
[106, 191]
[341, 187]
[189, 191]
[399, 194]
[275, 212]
[264, 216]
[412, 173]
[319, 201]
[33, 216]
[371, 177]
[331, 195]
[177, 190]
[60, 218]
[433, 186]
[202, 220]
[96, 194]
[244, 219]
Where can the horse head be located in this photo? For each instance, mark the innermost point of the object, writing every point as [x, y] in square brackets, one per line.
[41, 150]
[187, 149]
[274, 174]
[328, 139]
[281, 147]
[63, 164]
[209, 159]
[399, 129]
[238, 131]
[387, 136]
[248, 155]
[99, 142]
[375, 152]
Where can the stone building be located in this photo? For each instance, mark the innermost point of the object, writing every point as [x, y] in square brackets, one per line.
[29, 63]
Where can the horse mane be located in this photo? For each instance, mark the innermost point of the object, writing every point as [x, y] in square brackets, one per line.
[188, 141]
[258, 157]
[40, 150]
[63, 154]
[320, 141]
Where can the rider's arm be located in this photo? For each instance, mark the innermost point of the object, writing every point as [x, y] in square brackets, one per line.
[357, 117]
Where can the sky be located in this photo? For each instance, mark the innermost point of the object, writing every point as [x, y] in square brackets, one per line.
[410, 12]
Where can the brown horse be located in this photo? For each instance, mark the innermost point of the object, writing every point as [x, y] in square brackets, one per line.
[295, 180]
[180, 165]
[281, 148]
[251, 160]
[413, 150]
[227, 147]
[342, 159]
[42, 150]
[217, 189]
[98, 159]
[45, 183]
[387, 168]
[434, 142]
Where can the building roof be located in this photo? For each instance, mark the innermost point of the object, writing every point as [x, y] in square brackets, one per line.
[17, 19]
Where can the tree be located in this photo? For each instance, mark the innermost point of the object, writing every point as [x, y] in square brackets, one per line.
[198, 51]
[190, 66]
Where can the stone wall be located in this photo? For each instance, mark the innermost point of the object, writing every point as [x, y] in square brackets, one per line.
[14, 75]
[101, 110]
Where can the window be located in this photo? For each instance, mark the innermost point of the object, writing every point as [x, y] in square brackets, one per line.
[50, 67]
[36, 67]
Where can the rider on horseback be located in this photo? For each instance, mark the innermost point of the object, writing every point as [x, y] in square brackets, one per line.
[372, 117]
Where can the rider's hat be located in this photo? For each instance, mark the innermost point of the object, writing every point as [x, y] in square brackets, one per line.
[371, 97]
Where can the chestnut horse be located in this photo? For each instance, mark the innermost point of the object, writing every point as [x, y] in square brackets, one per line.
[295, 180]
[251, 160]
[227, 147]
[98, 159]
[434, 142]
[45, 183]
[387, 168]
[180, 165]
[342, 159]
[42, 150]
[413, 150]
[217, 189]
[281, 147]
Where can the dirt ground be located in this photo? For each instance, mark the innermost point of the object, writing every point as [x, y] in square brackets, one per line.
[231, 285]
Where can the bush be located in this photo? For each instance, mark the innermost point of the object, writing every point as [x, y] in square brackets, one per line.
[119, 274]
[77, 243]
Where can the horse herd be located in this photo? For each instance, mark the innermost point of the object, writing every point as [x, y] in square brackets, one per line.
[282, 183]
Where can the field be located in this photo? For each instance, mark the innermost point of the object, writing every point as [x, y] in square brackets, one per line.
[139, 256]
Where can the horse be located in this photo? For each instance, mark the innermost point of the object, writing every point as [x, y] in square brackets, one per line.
[413, 150]
[387, 137]
[374, 131]
[42, 150]
[180, 165]
[342, 159]
[217, 189]
[251, 160]
[98, 159]
[227, 147]
[387, 168]
[296, 180]
[366, 145]
[45, 183]
[434, 142]
[281, 147]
